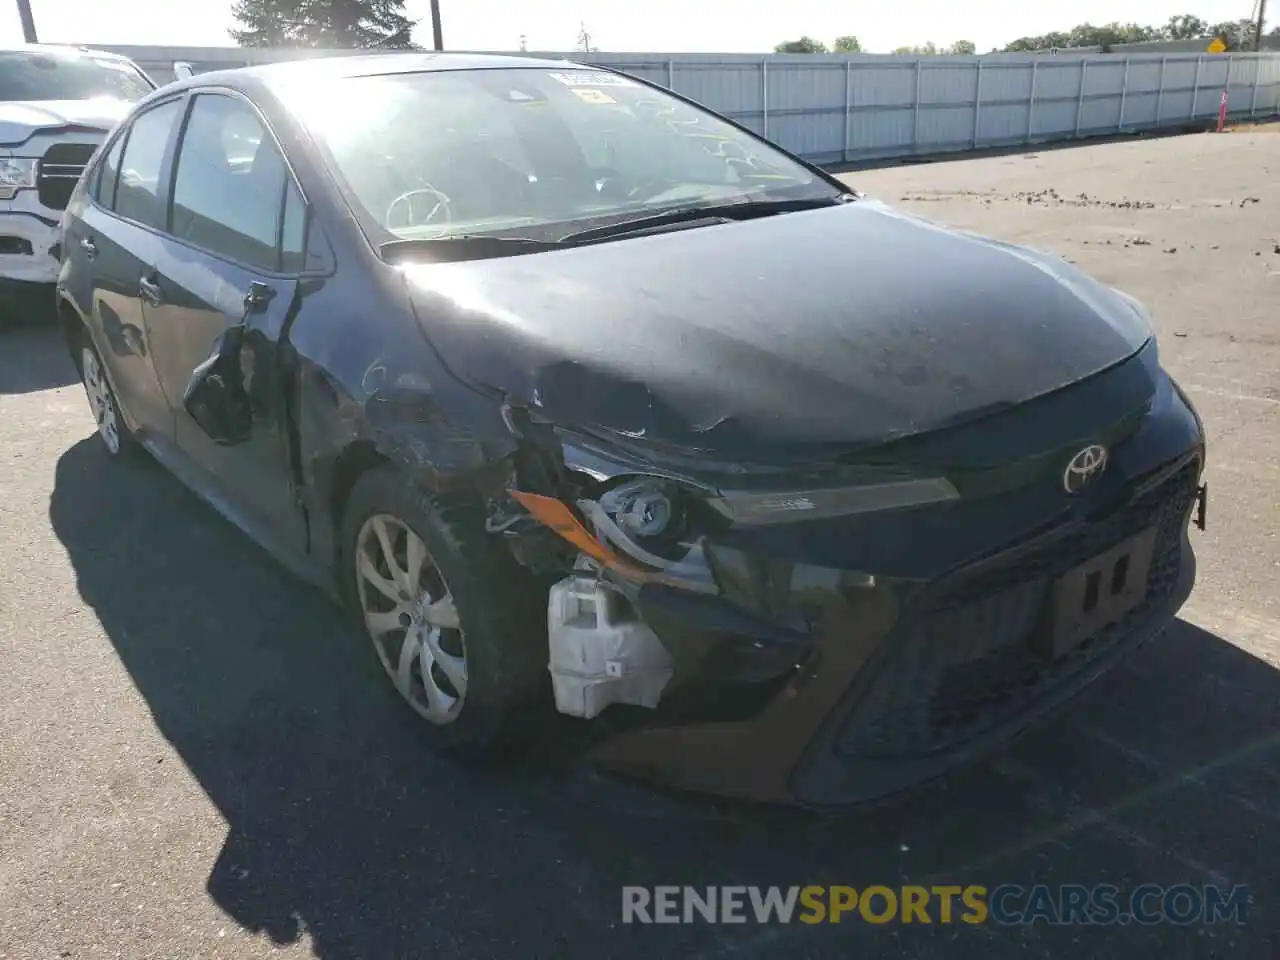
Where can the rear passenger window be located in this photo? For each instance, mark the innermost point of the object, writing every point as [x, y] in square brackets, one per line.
[104, 189]
[137, 194]
[229, 190]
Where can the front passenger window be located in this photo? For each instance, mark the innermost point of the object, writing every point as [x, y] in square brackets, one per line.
[229, 190]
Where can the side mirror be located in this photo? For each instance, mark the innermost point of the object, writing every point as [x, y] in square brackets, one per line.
[182, 70]
[215, 396]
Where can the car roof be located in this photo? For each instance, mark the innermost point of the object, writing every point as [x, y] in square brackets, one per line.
[63, 50]
[362, 65]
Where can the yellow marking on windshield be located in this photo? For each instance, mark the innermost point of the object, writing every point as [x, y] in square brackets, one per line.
[587, 95]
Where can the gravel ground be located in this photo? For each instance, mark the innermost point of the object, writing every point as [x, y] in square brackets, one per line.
[194, 761]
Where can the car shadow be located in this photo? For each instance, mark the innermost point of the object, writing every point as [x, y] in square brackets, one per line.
[344, 829]
[34, 357]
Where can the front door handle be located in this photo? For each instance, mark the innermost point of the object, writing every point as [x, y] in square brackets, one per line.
[258, 297]
[89, 247]
[150, 291]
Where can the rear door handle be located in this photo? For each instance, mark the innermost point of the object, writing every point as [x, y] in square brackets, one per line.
[89, 247]
[150, 291]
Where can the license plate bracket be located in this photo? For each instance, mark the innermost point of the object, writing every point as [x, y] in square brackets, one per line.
[1096, 594]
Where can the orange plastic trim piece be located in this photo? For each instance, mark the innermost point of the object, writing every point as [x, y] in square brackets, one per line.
[551, 513]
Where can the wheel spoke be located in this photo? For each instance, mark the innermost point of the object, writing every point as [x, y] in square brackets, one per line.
[442, 613]
[439, 702]
[388, 553]
[455, 668]
[404, 670]
[380, 623]
[416, 552]
[375, 579]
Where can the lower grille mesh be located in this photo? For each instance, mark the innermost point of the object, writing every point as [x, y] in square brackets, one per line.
[966, 664]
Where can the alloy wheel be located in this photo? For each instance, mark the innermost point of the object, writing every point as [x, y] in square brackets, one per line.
[410, 615]
[101, 400]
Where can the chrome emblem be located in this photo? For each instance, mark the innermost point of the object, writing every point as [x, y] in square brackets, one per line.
[1085, 467]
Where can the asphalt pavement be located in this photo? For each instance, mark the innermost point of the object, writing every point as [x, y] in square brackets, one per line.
[196, 760]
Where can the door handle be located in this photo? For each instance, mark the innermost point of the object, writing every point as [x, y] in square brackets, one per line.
[258, 297]
[89, 247]
[150, 291]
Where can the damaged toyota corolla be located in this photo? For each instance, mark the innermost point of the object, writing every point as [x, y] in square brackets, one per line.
[577, 393]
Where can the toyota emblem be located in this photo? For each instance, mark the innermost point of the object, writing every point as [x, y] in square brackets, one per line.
[1085, 467]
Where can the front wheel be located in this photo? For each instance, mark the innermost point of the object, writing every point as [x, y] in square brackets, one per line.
[113, 432]
[454, 621]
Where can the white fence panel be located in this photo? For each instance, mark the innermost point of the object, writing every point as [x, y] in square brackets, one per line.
[831, 108]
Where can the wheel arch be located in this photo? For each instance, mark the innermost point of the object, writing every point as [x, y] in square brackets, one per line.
[73, 327]
[353, 462]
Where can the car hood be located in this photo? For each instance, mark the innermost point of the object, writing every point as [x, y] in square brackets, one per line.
[20, 119]
[754, 340]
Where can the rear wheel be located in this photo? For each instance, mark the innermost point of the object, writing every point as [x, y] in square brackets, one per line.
[455, 623]
[115, 436]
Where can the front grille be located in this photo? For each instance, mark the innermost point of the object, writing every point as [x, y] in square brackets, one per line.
[60, 168]
[967, 663]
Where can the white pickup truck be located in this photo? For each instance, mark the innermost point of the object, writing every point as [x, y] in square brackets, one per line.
[56, 106]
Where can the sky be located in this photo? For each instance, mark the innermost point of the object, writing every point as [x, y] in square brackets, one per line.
[677, 26]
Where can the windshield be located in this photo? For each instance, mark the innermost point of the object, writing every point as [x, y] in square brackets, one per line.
[49, 76]
[531, 152]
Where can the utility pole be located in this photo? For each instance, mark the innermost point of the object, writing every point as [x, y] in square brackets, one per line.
[584, 38]
[437, 33]
[28, 21]
[1257, 29]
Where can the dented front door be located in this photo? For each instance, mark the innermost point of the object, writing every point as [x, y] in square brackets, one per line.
[200, 300]
[218, 300]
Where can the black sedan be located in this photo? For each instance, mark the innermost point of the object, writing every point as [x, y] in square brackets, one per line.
[575, 393]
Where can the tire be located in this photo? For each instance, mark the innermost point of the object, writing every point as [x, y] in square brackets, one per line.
[117, 439]
[500, 616]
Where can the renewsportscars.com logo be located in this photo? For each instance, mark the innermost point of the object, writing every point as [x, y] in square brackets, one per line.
[1005, 905]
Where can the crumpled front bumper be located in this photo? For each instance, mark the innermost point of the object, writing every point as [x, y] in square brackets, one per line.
[903, 681]
[30, 241]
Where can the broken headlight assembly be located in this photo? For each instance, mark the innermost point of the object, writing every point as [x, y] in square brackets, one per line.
[641, 528]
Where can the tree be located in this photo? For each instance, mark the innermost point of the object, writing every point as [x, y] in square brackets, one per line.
[1236, 34]
[1185, 27]
[803, 45]
[1048, 41]
[1086, 35]
[322, 23]
[929, 49]
[962, 48]
[847, 44]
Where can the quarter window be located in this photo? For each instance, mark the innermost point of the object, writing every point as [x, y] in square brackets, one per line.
[293, 231]
[105, 185]
[229, 190]
[137, 194]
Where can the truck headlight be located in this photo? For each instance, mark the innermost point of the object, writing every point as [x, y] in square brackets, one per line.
[16, 173]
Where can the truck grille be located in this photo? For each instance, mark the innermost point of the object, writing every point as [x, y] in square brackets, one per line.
[60, 169]
[966, 664]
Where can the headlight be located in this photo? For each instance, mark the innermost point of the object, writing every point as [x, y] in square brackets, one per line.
[754, 509]
[15, 173]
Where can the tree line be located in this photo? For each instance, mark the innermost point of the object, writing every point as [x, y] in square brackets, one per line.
[1235, 34]
[383, 24]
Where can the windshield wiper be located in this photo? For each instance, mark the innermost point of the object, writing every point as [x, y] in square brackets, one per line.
[712, 212]
[463, 246]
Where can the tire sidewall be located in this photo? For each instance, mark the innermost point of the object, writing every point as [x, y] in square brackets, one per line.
[127, 442]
